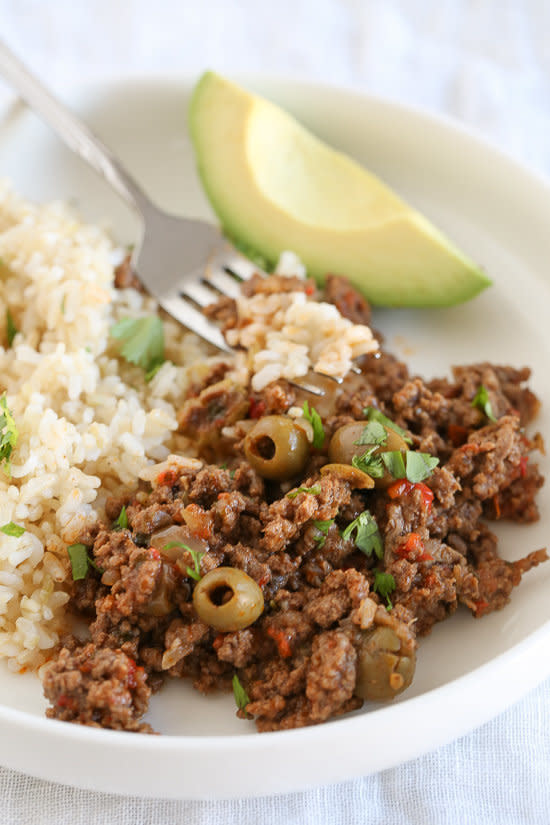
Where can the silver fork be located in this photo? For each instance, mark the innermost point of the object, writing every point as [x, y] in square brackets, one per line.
[181, 261]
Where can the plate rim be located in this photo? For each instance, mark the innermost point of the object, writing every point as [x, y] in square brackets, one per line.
[119, 741]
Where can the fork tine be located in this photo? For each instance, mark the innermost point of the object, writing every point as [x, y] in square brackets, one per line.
[198, 293]
[336, 378]
[229, 259]
[194, 320]
[305, 385]
[220, 280]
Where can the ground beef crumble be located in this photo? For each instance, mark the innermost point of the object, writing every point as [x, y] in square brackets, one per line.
[299, 661]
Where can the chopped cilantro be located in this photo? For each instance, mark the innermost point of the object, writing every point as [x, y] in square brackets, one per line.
[481, 401]
[315, 490]
[11, 529]
[373, 433]
[8, 435]
[369, 462]
[80, 561]
[142, 342]
[92, 563]
[311, 415]
[11, 329]
[150, 374]
[367, 535]
[323, 528]
[241, 696]
[62, 305]
[420, 466]
[78, 554]
[196, 555]
[375, 415]
[384, 584]
[122, 521]
[395, 463]
[411, 465]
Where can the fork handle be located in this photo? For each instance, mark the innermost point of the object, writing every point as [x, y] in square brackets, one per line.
[71, 129]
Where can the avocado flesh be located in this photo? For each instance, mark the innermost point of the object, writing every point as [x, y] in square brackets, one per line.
[274, 186]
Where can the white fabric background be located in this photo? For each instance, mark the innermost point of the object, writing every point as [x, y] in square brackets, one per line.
[485, 62]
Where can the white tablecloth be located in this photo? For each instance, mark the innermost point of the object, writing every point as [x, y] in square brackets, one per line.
[486, 62]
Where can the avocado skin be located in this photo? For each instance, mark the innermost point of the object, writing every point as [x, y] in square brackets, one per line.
[400, 261]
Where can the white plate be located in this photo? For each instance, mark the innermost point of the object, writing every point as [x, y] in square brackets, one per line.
[468, 671]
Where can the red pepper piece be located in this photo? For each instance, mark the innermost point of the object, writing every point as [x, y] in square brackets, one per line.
[481, 606]
[426, 493]
[131, 678]
[264, 580]
[65, 701]
[413, 549]
[399, 488]
[523, 465]
[257, 408]
[402, 486]
[282, 641]
[218, 641]
[168, 478]
[457, 434]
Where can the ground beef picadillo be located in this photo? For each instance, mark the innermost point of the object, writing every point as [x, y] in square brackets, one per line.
[301, 661]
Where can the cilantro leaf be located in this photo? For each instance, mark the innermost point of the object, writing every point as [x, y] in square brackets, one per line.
[420, 466]
[11, 329]
[384, 584]
[241, 696]
[80, 561]
[411, 465]
[373, 433]
[12, 529]
[315, 490]
[367, 535]
[8, 434]
[375, 415]
[395, 463]
[482, 402]
[142, 341]
[78, 554]
[92, 563]
[323, 527]
[369, 462]
[150, 374]
[122, 521]
[196, 556]
[311, 415]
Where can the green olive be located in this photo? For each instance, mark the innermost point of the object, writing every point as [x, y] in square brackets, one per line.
[277, 448]
[343, 446]
[226, 598]
[383, 668]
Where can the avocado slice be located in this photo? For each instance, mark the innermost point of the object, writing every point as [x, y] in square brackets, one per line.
[275, 186]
